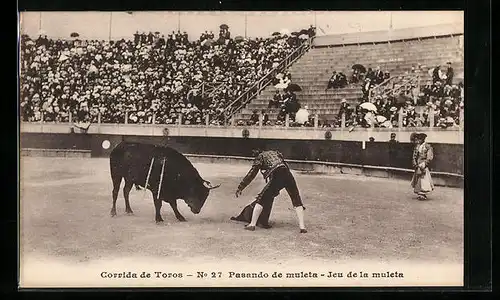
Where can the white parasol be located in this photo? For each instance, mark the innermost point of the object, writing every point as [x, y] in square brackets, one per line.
[369, 106]
[302, 116]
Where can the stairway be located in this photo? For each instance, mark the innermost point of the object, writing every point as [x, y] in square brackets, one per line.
[313, 70]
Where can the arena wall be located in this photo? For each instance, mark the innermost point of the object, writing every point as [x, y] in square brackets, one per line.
[434, 135]
[448, 157]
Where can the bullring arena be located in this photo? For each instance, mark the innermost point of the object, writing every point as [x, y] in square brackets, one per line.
[361, 213]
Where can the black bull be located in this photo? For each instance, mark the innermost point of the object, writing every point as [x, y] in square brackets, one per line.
[180, 180]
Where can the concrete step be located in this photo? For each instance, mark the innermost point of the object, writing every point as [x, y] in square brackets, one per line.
[355, 50]
[449, 44]
[313, 70]
[386, 61]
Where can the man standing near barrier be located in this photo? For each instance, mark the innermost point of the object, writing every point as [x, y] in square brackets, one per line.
[422, 157]
[278, 176]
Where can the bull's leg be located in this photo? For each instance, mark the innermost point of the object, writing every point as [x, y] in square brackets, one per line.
[157, 203]
[116, 188]
[173, 204]
[126, 193]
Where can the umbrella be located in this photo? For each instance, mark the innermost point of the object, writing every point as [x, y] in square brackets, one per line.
[74, 34]
[238, 39]
[369, 106]
[303, 36]
[381, 119]
[223, 26]
[359, 67]
[276, 33]
[293, 87]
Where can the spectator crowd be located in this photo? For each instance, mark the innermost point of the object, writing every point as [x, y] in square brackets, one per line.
[151, 76]
[439, 95]
[148, 76]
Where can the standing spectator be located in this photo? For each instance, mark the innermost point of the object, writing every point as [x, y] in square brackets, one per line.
[378, 76]
[344, 107]
[449, 74]
[370, 74]
[435, 74]
[393, 151]
[366, 89]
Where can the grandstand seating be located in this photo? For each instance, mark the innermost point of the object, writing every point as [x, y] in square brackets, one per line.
[314, 69]
[132, 81]
[151, 80]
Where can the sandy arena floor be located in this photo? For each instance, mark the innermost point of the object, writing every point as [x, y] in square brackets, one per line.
[353, 221]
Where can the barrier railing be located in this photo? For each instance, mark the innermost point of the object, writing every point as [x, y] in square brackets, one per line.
[431, 120]
[264, 81]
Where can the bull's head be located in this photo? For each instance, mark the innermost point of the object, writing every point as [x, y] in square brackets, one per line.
[198, 194]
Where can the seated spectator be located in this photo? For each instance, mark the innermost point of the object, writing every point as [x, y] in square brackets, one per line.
[355, 77]
[265, 118]
[338, 80]
[387, 75]
[254, 118]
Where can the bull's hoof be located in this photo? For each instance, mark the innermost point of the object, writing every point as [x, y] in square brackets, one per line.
[181, 219]
[129, 213]
[113, 213]
[158, 222]
[303, 231]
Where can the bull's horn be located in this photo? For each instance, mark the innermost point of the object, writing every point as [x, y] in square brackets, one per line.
[209, 185]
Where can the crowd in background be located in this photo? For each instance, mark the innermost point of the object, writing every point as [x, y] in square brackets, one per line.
[154, 75]
[149, 75]
[439, 95]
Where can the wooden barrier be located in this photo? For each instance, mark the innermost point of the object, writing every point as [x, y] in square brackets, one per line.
[329, 168]
[56, 152]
